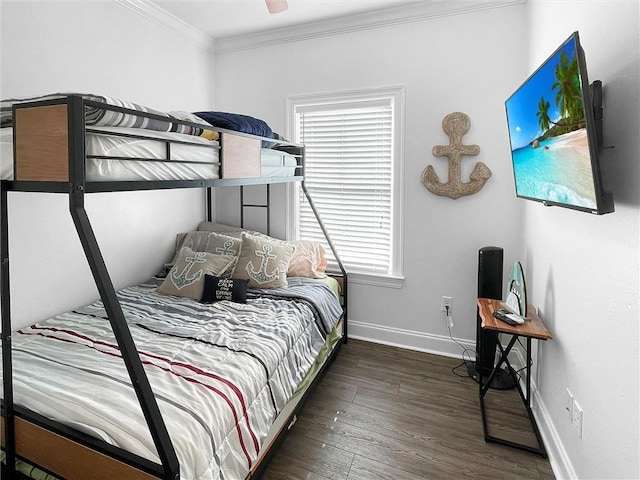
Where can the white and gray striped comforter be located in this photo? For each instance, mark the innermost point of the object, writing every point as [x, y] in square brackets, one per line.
[221, 372]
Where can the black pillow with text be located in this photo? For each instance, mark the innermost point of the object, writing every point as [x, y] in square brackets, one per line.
[217, 289]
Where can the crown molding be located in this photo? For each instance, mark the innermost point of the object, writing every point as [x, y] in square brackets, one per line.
[160, 16]
[414, 12]
[410, 13]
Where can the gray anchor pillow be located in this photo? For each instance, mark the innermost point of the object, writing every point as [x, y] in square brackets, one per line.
[186, 277]
[263, 261]
[223, 244]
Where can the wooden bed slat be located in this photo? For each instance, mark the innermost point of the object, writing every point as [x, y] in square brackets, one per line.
[41, 139]
[240, 156]
[67, 458]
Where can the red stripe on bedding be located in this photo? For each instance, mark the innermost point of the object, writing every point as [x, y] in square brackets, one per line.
[168, 370]
[227, 382]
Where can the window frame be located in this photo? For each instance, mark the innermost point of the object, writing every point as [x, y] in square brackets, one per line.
[396, 96]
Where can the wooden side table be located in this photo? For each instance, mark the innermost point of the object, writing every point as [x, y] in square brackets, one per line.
[533, 327]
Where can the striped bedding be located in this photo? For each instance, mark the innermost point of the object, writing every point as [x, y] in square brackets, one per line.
[220, 373]
[108, 118]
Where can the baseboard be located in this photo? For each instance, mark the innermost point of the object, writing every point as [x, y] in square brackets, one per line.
[412, 340]
[455, 347]
[558, 458]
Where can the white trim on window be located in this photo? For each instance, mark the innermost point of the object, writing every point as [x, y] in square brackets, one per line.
[391, 100]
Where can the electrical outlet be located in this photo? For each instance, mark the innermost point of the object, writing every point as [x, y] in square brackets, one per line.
[568, 403]
[447, 302]
[577, 417]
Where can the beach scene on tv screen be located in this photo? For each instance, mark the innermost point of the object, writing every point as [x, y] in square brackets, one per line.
[549, 146]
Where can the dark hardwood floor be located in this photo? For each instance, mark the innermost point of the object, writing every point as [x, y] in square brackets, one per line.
[386, 413]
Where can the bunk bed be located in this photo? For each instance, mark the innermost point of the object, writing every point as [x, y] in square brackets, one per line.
[79, 144]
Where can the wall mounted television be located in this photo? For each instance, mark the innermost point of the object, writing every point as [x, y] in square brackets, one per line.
[555, 131]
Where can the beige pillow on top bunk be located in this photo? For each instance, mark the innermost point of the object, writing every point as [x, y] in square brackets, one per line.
[186, 277]
[263, 261]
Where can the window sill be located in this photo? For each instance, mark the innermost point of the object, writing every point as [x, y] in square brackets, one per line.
[388, 281]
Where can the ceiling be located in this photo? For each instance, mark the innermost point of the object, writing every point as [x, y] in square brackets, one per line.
[222, 19]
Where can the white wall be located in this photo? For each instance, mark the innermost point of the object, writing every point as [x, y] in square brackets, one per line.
[444, 68]
[108, 49]
[583, 270]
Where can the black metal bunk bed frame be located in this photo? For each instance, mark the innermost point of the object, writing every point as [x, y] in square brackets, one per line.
[76, 188]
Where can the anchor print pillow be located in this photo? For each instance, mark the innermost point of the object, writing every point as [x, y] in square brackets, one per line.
[263, 261]
[186, 277]
[223, 244]
[196, 241]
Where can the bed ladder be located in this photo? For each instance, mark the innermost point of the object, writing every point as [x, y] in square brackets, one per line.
[265, 206]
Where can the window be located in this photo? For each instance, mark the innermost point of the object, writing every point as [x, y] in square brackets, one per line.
[353, 171]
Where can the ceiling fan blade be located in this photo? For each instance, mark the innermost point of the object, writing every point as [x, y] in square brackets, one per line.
[277, 6]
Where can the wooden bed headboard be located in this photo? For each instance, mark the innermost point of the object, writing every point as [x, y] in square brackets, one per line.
[41, 144]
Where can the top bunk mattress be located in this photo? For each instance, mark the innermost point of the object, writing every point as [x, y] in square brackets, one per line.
[124, 153]
[132, 154]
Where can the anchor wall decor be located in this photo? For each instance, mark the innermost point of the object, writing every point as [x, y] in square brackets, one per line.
[455, 125]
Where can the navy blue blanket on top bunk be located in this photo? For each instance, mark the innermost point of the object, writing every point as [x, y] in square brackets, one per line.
[239, 123]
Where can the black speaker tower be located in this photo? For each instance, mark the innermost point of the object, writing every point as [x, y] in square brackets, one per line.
[490, 268]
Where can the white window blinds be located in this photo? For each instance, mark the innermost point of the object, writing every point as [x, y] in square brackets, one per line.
[349, 173]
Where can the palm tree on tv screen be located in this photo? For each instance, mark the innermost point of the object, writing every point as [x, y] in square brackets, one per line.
[568, 95]
[568, 99]
[543, 114]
